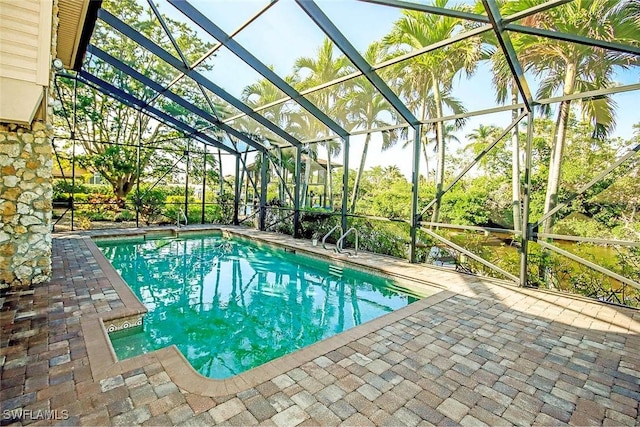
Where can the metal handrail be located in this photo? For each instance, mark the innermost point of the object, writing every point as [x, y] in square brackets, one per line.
[180, 211]
[339, 242]
[324, 239]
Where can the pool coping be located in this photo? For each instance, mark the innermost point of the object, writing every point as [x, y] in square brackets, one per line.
[104, 362]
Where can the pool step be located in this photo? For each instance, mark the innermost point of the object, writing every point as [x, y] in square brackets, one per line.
[335, 270]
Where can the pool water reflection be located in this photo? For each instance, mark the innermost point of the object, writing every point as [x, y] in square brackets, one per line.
[230, 305]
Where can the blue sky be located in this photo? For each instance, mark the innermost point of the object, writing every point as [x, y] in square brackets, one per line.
[285, 33]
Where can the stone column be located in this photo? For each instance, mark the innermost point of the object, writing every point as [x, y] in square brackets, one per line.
[25, 203]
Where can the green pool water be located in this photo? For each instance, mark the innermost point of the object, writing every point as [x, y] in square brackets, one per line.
[230, 305]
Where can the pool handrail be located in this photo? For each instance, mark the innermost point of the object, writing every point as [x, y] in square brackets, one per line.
[180, 211]
[339, 242]
[324, 239]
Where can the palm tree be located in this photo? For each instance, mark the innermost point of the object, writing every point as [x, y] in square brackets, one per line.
[321, 69]
[507, 88]
[262, 93]
[428, 107]
[480, 137]
[303, 126]
[572, 68]
[258, 94]
[447, 136]
[367, 109]
[433, 71]
[334, 148]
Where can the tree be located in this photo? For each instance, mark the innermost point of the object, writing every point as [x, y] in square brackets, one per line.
[433, 71]
[572, 67]
[479, 139]
[428, 107]
[507, 88]
[368, 109]
[314, 71]
[109, 131]
[261, 93]
[303, 126]
[264, 92]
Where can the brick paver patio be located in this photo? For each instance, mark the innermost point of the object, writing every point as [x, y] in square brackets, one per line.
[476, 353]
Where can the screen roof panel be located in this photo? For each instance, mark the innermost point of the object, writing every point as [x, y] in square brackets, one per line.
[231, 15]
[280, 34]
[357, 105]
[282, 46]
[234, 75]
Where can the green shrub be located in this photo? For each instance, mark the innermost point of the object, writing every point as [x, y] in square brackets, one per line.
[213, 214]
[466, 206]
[62, 189]
[105, 189]
[81, 197]
[172, 206]
[151, 203]
[380, 237]
[101, 215]
[125, 215]
[317, 221]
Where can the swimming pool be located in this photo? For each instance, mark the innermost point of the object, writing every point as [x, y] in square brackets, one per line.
[230, 304]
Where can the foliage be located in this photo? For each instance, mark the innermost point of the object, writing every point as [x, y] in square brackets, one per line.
[150, 203]
[108, 130]
[225, 201]
[62, 189]
[317, 222]
[125, 215]
[381, 237]
[488, 196]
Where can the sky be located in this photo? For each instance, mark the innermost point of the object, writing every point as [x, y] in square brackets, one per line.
[284, 33]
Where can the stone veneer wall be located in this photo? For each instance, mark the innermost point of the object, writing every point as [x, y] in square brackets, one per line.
[25, 195]
[25, 203]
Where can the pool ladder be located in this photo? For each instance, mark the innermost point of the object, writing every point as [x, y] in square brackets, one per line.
[339, 248]
[181, 213]
[324, 239]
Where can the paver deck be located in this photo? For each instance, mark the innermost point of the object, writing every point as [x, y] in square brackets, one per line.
[475, 353]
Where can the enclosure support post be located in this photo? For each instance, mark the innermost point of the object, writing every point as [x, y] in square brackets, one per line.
[296, 196]
[138, 199]
[73, 181]
[236, 190]
[221, 191]
[263, 191]
[73, 153]
[186, 182]
[244, 178]
[515, 169]
[204, 180]
[415, 217]
[526, 227]
[345, 183]
[246, 192]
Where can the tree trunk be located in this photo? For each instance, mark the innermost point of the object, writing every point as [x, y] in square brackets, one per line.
[423, 116]
[440, 160]
[121, 187]
[426, 159]
[221, 179]
[515, 162]
[555, 166]
[328, 180]
[356, 185]
[305, 185]
[280, 182]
